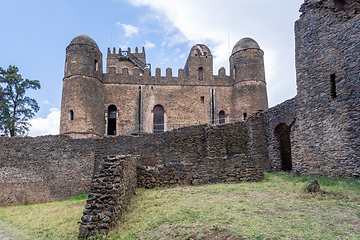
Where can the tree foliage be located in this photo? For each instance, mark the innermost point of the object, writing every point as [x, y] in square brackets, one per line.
[15, 107]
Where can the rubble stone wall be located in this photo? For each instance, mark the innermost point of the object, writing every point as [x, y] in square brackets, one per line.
[44, 169]
[110, 193]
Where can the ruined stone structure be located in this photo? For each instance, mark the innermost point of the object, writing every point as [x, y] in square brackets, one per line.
[128, 100]
[316, 132]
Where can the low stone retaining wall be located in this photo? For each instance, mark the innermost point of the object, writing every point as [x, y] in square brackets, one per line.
[203, 171]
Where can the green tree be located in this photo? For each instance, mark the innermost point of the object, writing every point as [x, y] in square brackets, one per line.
[15, 107]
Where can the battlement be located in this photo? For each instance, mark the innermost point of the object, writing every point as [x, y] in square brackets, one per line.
[136, 76]
[127, 59]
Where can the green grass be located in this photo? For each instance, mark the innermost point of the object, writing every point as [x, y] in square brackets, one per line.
[276, 208]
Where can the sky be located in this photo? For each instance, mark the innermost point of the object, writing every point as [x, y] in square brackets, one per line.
[34, 36]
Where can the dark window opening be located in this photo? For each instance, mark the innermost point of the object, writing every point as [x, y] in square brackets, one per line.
[333, 85]
[221, 117]
[201, 74]
[158, 119]
[234, 72]
[212, 107]
[96, 65]
[202, 99]
[245, 116]
[139, 110]
[112, 120]
[71, 115]
[282, 133]
[339, 5]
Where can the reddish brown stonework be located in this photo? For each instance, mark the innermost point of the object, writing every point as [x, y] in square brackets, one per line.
[196, 96]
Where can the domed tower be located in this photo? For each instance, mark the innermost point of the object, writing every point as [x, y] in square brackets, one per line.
[82, 103]
[247, 71]
[199, 64]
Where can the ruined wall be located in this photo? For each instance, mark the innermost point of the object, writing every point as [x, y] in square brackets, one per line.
[53, 168]
[110, 193]
[193, 155]
[326, 140]
[284, 113]
[43, 169]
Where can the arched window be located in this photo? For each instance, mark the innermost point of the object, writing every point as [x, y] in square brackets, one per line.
[158, 119]
[96, 65]
[221, 117]
[111, 120]
[245, 115]
[71, 115]
[234, 72]
[201, 73]
[282, 135]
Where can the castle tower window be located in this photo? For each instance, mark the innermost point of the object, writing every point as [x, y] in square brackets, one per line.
[201, 73]
[212, 106]
[332, 85]
[96, 65]
[158, 119]
[245, 116]
[71, 115]
[112, 120]
[202, 99]
[221, 117]
[234, 72]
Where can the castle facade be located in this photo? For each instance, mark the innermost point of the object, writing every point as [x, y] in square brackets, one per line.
[128, 100]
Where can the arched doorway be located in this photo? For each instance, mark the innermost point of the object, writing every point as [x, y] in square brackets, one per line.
[282, 135]
[158, 119]
[111, 124]
[221, 117]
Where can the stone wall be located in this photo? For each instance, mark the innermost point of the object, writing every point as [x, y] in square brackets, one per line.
[110, 193]
[53, 168]
[187, 156]
[327, 134]
[284, 113]
[43, 169]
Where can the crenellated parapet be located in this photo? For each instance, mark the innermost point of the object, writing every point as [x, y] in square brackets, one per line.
[136, 76]
[126, 58]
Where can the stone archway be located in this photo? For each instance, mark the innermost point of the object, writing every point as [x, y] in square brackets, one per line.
[282, 136]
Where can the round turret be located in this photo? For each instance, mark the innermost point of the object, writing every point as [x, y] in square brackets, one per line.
[245, 43]
[82, 103]
[84, 40]
[247, 71]
[83, 57]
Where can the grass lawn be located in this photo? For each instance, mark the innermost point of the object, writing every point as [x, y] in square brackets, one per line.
[276, 208]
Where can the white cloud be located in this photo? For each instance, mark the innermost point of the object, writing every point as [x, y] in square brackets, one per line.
[270, 23]
[149, 45]
[44, 126]
[129, 29]
[47, 102]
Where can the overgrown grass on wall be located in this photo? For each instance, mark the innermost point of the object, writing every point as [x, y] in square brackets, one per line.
[276, 208]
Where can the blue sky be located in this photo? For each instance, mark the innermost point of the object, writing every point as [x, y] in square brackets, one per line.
[35, 34]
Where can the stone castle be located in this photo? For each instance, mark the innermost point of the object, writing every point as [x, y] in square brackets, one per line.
[128, 100]
[316, 132]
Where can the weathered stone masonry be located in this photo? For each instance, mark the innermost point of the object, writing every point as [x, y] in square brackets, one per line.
[52, 168]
